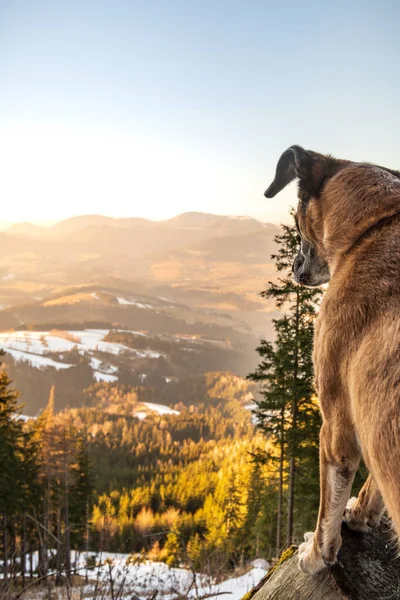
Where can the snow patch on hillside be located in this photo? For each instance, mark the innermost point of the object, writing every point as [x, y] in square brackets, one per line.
[161, 409]
[133, 302]
[104, 367]
[104, 377]
[47, 348]
[37, 361]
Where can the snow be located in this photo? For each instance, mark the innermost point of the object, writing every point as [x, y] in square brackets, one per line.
[92, 339]
[104, 367]
[140, 415]
[151, 576]
[32, 346]
[43, 342]
[104, 377]
[126, 302]
[161, 409]
[147, 353]
[252, 406]
[261, 563]
[130, 331]
[145, 577]
[236, 587]
[37, 361]
[36, 342]
[19, 417]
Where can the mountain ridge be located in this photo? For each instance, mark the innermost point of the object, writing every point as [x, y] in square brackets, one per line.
[186, 219]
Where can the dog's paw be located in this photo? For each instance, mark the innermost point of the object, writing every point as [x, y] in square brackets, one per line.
[310, 559]
[355, 517]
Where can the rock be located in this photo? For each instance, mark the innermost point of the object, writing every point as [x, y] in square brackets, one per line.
[368, 568]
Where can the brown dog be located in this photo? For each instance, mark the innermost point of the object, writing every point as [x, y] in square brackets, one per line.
[349, 220]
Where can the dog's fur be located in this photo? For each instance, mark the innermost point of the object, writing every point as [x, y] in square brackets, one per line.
[350, 234]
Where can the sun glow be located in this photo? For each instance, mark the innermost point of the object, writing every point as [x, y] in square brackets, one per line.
[55, 172]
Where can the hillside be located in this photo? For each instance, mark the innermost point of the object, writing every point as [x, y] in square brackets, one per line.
[208, 262]
[94, 298]
[165, 461]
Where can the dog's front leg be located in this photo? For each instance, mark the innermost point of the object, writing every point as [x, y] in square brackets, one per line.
[339, 458]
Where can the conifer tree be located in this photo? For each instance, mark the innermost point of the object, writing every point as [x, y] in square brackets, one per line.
[19, 464]
[287, 410]
[11, 434]
[81, 495]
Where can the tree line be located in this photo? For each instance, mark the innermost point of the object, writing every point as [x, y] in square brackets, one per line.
[44, 490]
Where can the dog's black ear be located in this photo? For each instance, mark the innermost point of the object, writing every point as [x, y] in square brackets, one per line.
[293, 162]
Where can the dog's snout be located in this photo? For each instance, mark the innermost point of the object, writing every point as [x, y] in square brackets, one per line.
[302, 278]
[298, 262]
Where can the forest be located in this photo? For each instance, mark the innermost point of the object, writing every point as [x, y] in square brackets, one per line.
[211, 486]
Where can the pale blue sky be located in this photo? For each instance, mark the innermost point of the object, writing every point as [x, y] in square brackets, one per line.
[152, 108]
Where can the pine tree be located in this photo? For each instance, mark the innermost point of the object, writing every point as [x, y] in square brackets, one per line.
[19, 462]
[44, 432]
[287, 410]
[81, 495]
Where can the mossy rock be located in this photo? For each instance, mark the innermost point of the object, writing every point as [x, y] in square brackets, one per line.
[368, 568]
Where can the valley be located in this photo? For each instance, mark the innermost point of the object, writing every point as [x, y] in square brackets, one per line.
[132, 301]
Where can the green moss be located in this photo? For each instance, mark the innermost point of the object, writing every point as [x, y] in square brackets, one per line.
[286, 554]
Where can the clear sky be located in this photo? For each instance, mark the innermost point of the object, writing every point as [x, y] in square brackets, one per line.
[152, 108]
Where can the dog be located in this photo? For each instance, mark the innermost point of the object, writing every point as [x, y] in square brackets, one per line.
[348, 218]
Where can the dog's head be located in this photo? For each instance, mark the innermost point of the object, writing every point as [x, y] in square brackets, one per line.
[313, 172]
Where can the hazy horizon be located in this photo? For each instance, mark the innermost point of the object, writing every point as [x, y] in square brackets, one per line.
[48, 223]
[154, 109]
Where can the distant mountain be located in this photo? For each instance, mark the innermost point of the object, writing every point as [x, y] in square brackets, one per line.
[198, 219]
[27, 229]
[73, 224]
[196, 274]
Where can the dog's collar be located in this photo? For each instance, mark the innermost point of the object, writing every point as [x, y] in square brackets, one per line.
[375, 227]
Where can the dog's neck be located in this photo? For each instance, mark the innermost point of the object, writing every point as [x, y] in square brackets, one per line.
[348, 247]
[386, 221]
[354, 210]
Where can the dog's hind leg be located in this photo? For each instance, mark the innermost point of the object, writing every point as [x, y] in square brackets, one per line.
[367, 509]
[383, 460]
[375, 400]
[339, 459]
